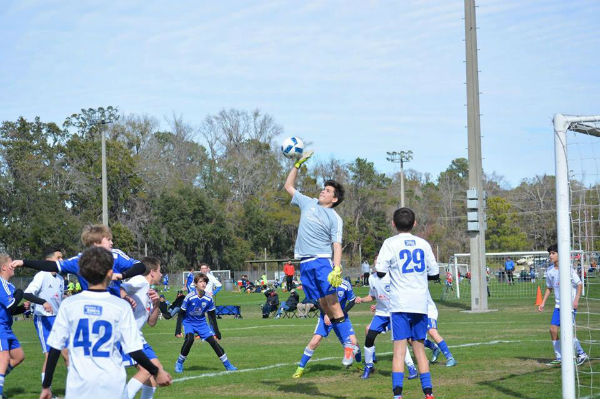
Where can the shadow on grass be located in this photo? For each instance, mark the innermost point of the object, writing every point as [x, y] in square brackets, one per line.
[200, 368]
[15, 391]
[537, 359]
[502, 384]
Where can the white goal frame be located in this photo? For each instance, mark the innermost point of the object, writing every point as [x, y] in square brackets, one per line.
[221, 275]
[562, 123]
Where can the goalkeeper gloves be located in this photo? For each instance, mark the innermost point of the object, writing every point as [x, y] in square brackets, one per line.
[305, 158]
[335, 277]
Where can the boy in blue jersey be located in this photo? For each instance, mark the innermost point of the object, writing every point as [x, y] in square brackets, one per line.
[11, 353]
[92, 236]
[410, 263]
[324, 327]
[166, 282]
[319, 240]
[194, 308]
[189, 281]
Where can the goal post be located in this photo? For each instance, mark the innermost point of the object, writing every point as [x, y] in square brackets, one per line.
[585, 125]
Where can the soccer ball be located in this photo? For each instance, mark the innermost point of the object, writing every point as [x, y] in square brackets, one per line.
[292, 147]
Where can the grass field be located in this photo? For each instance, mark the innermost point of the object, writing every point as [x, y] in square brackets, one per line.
[500, 354]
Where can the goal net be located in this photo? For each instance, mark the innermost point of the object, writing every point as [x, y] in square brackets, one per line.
[577, 156]
[221, 275]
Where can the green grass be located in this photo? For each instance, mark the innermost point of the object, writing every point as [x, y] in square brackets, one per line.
[500, 354]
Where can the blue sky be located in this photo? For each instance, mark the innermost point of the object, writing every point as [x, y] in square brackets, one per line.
[355, 78]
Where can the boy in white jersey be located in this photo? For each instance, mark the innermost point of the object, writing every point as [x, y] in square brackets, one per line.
[50, 287]
[93, 324]
[379, 290]
[410, 263]
[552, 284]
[214, 285]
[145, 311]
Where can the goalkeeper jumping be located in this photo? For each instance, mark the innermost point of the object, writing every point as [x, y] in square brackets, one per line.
[319, 248]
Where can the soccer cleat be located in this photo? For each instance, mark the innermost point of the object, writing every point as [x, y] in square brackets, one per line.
[582, 357]
[451, 362]
[299, 372]
[368, 371]
[436, 354]
[178, 367]
[429, 396]
[348, 356]
[230, 367]
[412, 372]
[554, 362]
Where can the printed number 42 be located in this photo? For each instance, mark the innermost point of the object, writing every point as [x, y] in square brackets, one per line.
[413, 261]
[82, 336]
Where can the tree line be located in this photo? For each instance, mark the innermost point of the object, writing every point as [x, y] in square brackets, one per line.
[214, 193]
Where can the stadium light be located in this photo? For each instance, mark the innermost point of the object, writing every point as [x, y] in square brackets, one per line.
[400, 157]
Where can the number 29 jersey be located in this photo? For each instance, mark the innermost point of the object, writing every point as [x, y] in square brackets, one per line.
[408, 259]
[92, 324]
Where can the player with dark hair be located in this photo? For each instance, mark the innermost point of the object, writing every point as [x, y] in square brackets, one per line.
[319, 240]
[552, 284]
[94, 325]
[410, 262]
[145, 312]
[194, 308]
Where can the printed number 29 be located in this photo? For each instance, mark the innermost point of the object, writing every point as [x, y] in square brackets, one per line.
[82, 337]
[413, 261]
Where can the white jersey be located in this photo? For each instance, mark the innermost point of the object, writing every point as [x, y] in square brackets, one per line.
[137, 288]
[92, 324]
[432, 312]
[379, 288]
[49, 288]
[408, 260]
[213, 283]
[553, 282]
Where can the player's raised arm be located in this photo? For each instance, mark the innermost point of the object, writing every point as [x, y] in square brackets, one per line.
[40, 265]
[291, 178]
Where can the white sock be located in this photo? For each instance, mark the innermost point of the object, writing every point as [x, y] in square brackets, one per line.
[147, 392]
[369, 352]
[133, 386]
[578, 349]
[43, 375]
[408, 359]
[556, 345]
[224, 358]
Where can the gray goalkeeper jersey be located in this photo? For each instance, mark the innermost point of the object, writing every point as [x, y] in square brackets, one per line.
[319, 228]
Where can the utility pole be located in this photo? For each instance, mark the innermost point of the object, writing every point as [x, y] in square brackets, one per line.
[400, 157]
[475, 195]
[101, 124]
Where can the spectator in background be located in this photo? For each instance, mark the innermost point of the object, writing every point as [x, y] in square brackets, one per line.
[70, 288]
[289, 271]
[290, 304]
[77, 287]
[366, 271]
[306, 306]
[272, 303]
[509, 267]
[189, 281]
[593, 266]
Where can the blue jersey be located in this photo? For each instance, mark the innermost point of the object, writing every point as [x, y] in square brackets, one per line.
[319, 228]
[196, 307]
[166, 279]
[7, 299]
[121, 263]
[189, 281]
[345, 294]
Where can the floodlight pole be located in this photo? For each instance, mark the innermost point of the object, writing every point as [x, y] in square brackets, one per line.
[479, 300]
[400, 157]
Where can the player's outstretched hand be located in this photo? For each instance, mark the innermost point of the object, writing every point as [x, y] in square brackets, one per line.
[153, 295]
[117, 276]
[162, 378]
[16, 263]
[48, 307]
[335, 277]
[304, 158]
[46, 393]
[131, 301]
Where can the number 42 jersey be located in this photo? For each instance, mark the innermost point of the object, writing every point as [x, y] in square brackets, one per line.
[92, 324]
[409, 260]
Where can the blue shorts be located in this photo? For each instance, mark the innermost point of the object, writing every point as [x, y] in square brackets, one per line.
[203, 330]
[431, 323]
[313, 274]
[380, 323]
[8, 341]
[43, 326]
[556, 317]
[409, 325]
[323, 330]
[129, 362]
